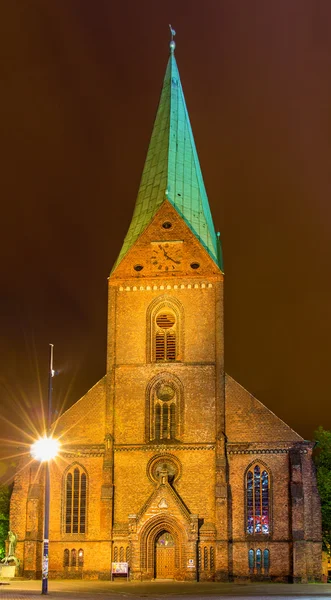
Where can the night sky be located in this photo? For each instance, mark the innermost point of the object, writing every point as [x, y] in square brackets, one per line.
[80, 84]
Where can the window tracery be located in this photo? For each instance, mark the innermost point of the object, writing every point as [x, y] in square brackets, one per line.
[258, 500]
[75, 500]
[163, 408]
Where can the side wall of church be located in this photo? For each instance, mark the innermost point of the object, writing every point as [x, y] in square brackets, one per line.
[294, 539]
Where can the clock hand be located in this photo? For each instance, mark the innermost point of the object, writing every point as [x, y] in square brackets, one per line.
[167, 255]
[173, 260]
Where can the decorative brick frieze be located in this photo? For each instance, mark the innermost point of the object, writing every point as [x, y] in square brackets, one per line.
[163, 448]
[83, 451]
[163, 287]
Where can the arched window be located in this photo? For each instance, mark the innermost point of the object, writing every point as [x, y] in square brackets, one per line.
[165, 336]
[73, 557]
[164, 406]
[164, 411]
[266, 561]
[66, 558]
[258, 561]
[257, 500]
[115, 553]
[164, 330]
[80, 557]
[75, 499]
[121, 554]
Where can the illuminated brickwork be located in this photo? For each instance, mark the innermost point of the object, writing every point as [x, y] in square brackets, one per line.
[166, 449]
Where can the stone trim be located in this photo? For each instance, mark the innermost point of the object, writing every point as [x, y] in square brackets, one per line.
[264, 451]
[162, 448]
[84, 451]
[148, 288]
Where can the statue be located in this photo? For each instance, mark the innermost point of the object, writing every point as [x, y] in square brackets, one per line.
[12, 537]
[12, 543]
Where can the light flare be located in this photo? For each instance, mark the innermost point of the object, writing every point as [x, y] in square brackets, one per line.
[45, 449]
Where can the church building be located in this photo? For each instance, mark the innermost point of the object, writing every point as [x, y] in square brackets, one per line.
[167, 463]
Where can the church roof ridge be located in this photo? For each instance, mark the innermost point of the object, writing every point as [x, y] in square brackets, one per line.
[172, 170]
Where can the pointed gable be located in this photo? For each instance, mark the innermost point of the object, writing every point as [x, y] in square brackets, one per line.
[248, 420]
[172, 171]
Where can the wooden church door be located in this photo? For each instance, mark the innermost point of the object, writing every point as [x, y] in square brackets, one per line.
[165, 556]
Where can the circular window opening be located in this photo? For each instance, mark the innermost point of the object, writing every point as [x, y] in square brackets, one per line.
[138, 267]
[195, 265]
[165, 392]
[167, 225]
[165, 321]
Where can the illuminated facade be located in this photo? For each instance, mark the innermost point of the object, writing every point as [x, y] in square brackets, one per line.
[169, 464]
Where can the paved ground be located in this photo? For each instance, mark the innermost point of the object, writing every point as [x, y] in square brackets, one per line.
[121, 590]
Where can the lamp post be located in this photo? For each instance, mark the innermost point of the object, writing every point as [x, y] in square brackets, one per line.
[44, 450]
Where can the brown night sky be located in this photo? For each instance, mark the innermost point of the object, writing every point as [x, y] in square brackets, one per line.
[80, 83]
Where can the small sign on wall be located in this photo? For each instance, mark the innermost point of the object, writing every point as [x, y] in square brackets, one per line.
[190, 563]
[120, 568]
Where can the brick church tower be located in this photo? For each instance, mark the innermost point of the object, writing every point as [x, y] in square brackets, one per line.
[167, 463]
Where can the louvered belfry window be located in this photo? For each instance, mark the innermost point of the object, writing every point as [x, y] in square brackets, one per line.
[165, 337]
[75, 495]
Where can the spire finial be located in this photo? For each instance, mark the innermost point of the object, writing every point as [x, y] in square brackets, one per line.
[172, 42]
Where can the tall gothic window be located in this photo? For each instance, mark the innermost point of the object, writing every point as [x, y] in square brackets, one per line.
[66, 555]
[164, 408]
[257, 500]
[165, 336]
[75, 500]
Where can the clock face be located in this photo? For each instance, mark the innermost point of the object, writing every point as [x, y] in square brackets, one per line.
[166, 256]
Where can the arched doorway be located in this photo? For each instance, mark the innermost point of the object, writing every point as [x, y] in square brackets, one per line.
[164, 556]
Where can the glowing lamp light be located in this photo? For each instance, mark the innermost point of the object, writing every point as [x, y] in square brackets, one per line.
[45, 449]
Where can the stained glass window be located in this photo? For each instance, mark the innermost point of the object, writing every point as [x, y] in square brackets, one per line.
[265, 502]
[266, 561]
[258, 560]
[251, 561]
[257, 501]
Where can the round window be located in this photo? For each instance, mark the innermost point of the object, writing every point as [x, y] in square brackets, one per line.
[165, 321]
[166, 225]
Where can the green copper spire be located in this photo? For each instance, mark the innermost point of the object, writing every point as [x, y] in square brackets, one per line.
[172, 170]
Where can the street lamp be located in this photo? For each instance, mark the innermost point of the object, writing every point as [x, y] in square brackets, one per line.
[44, 450]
